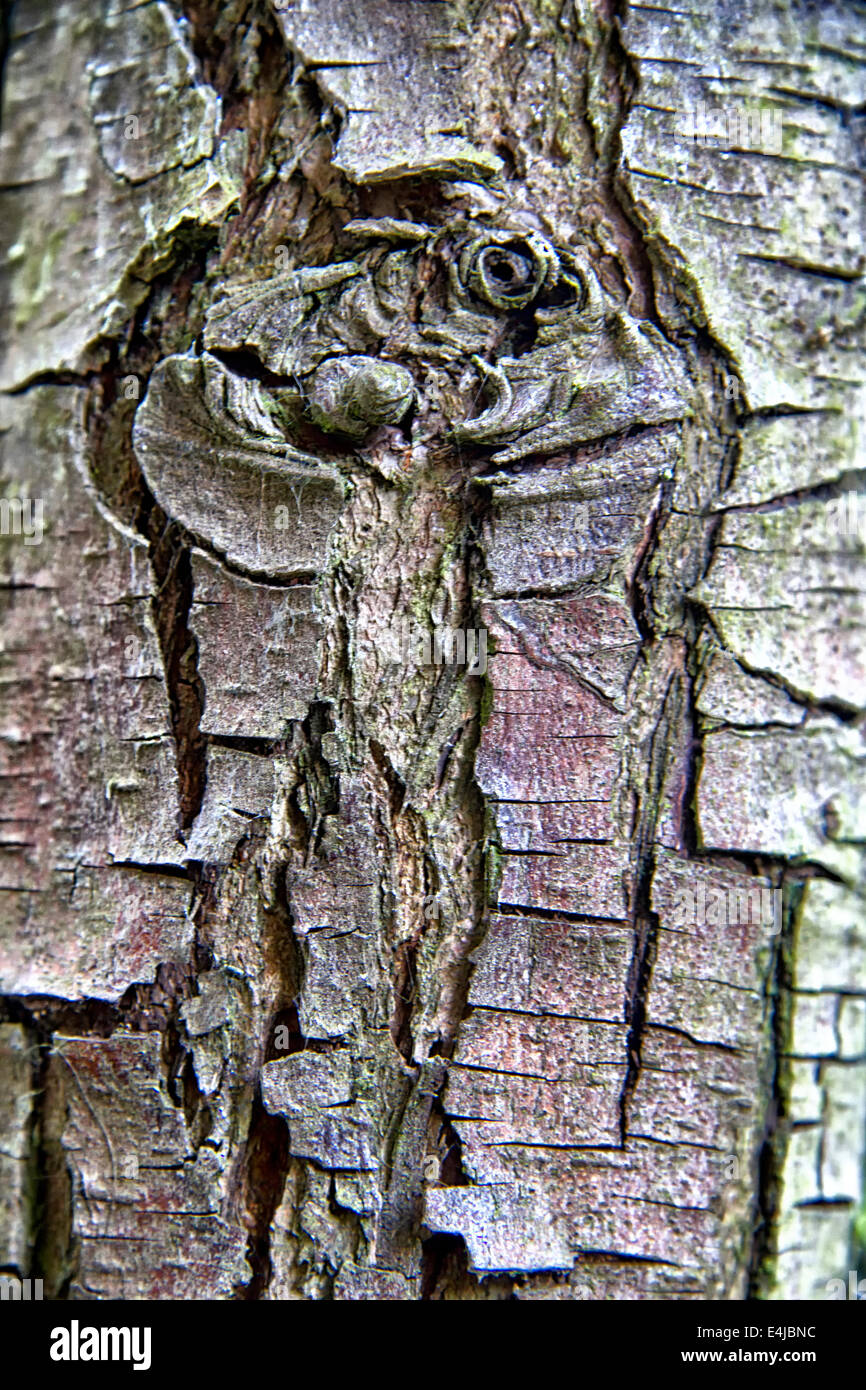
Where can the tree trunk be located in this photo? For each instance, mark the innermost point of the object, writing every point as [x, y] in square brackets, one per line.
[432, 606]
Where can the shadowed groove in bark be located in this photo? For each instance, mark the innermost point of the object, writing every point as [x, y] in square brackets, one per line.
[51, 1178]
[288, 1019]
[444, 1258]
[637, 994]
[172, 603]
[444, 1263]
[646, 267]
[109, 414]
[645, 922]
[622, 76]
[404, 991]
[320, 781]
[771, 1155]
[444, 1266]
[266, 1165]
[221, 46]
[446, 1276]
[662, 759]
[839, 710]
[54, 1252]
[143, 1008]
[5, 35]
[688, 819]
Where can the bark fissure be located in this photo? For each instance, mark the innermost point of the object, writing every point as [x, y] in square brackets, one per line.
[346, 969]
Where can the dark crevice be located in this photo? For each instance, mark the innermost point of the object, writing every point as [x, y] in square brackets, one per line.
[316, 795]
[404, 972]
[622, 79]
[636, 999]
[444, 1261]
[295, 580]
[243, 743]
[285, 1036]
[825, 1202]
[265, 1169]
[171, 605]
[448, 1145]
[645, 921]
[143, 1008]
[396, 785]
[155, 869]
[763, 865]
[445, 1273]
[848, 480]
[773, 1145]
[638, 585]
[222, 45]
[113, 399]
[283, 953]
[687, 819]
[182, 1083]
[506, 909]
[347, 1218]
[5, 39]
[52, 378]
[49, 1194]
[445, 752]
[553, 593]
[55, 1248]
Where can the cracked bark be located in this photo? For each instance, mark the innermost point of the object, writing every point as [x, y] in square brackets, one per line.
[325, 979]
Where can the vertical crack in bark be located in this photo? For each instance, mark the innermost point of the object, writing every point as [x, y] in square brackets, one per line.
[661, 612]
[265, 1170]
[428, 824]
[637, 993]
[444, 1258]
[55, 1252]
[114, 469]
[172, 603]
[267, 1173]
[771, 1154]
[49, 1194]
[143, 1008]
[646, 796]
[620, 77]
[5, 36]
[403, 986]
[444, 1267]
[645, 781]
[181, 1082]
[222, 43]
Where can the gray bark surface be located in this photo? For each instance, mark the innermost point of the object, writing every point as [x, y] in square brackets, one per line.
[329, 974]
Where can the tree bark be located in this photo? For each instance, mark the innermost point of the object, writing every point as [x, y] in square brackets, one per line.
[337, 963]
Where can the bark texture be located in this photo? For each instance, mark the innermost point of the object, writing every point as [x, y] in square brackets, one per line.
[330, 970]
